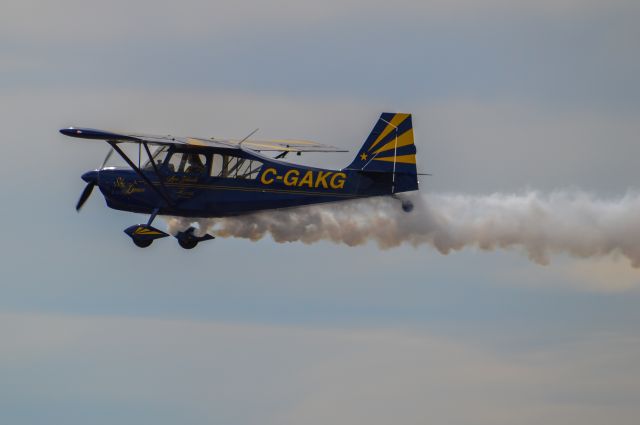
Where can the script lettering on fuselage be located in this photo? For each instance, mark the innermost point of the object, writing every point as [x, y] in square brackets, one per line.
[309, 179]
[128, 187]
[181, 179]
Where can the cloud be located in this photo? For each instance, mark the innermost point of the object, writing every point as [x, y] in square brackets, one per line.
[409, 379]
[121, 20]
[608, 274]
[219, 372]
[488, 145]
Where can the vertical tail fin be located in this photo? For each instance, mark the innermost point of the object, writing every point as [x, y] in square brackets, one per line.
[390, 149]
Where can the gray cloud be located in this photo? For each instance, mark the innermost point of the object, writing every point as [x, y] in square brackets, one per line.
[219, 372]
[505, 145]
[581, 52]
[122, 20]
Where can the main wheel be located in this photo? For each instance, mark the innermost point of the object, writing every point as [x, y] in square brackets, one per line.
[142, 243]
[187, 243]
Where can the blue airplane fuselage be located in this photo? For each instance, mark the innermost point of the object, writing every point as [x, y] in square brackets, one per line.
[209, 193]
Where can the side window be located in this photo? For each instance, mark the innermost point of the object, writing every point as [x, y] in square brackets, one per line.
[233, 162]
[158, 157]
[249, 169]
[233, 167]
[195, 163]
[216, 165]
[176, 161]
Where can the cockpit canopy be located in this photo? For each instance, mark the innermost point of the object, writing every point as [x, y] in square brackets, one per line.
[188, 162]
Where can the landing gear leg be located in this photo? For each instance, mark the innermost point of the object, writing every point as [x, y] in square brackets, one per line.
[153, 216]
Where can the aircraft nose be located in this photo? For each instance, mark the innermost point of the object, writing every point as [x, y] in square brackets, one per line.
[90, 176]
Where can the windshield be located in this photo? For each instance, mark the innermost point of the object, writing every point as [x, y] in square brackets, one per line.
[158, 157]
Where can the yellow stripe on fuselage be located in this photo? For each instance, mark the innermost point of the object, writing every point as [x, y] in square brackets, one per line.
[259, 189]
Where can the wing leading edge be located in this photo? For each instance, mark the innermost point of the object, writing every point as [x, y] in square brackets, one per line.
[255, 145]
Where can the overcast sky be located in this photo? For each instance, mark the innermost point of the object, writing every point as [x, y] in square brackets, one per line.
[507, 97]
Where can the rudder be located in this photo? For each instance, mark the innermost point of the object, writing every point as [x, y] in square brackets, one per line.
[390, 148]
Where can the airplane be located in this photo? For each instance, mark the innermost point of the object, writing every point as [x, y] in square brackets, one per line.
[205, 178]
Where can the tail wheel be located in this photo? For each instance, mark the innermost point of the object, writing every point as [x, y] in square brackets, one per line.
[407, 206]
[142, 243]
[187, 244]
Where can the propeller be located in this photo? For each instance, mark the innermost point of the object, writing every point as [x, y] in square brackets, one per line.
[85, 195]
[106, 158]
[91, 177]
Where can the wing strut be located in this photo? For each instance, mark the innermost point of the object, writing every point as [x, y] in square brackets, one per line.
[133, 166]
[155, 168]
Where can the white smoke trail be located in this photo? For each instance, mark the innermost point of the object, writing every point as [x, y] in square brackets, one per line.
[576, 223]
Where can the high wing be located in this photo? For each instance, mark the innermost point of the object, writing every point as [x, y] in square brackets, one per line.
[255, 145]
